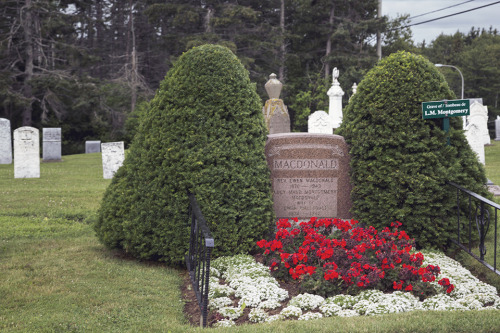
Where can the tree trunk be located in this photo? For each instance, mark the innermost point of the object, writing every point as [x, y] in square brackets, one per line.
[135, 70]
[281, 74]
[329, 42]
[28, 62]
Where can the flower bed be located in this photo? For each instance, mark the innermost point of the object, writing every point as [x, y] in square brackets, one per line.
[241, 286]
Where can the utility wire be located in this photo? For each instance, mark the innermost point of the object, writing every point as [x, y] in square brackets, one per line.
[438, 10]
[442, 17]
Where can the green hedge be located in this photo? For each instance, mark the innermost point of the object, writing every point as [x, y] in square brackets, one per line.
[399, 162]
[203, 132]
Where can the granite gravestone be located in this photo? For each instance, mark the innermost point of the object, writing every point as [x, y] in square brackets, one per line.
[5, 142]
[497, 129]
[319, 122]
[92, 147]
[113, 155]
[52, 145]
[479, 117]
[26, 153]
[309, 175]
[474, 136]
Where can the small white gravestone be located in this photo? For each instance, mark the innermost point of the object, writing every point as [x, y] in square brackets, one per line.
[92, 147]
[475, 139]
[319, 122]
[113, 155]
[5, 142]
[479, 117]
[51, 144]
[335, 94]
[26, 153]
[497, 129]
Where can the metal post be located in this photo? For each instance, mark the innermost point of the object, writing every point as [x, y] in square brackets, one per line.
[462, 92]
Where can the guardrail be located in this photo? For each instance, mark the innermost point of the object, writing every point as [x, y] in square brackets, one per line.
[482, 207]
[201, 245]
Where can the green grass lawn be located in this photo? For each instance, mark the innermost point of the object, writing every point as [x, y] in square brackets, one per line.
[56, 276]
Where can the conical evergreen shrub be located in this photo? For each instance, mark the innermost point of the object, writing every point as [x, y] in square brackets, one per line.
[204, 132]
[400, 163]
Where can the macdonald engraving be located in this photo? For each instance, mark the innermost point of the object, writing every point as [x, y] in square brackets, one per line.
[305, 164]
[309, 196]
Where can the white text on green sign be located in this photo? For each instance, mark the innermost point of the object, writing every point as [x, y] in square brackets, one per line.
[442, 109]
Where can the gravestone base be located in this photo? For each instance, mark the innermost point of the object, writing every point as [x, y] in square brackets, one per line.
[309, 175]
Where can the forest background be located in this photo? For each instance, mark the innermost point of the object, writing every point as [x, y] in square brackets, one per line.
[90, 66]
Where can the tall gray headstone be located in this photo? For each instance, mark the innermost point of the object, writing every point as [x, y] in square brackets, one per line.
[479, 117]
[113, 155]
[51, 144]
[335, 94]
[474, 136]
[497, 129]
[5, 142]
[92, 147]
[26, 153]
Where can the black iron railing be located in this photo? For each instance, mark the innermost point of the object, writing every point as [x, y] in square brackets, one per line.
[479, 209]
[201, 244]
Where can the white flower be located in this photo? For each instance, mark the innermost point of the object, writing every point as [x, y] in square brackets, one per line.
[329, 309]
[347, 313]
[306, 301]
[269, 304]
[258, 315]
[214, 272]
[231, 312]
[310, 315]
[291, 311]
[219, 302]
[441, 302]
[344, 301]
[219, 290]
[275, 317]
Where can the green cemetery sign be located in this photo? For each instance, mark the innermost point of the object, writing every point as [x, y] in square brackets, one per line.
[443, 109]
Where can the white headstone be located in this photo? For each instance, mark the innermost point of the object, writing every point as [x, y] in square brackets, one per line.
[92, 147]
[479, 117]
[475, 139]
[51, 144]
[26, 153]
[335, 94]
[497, 129]
[5, 142]
[113, 155]
[319, 122]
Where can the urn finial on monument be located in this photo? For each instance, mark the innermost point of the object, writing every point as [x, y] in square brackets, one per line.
[275, 111]
[273, 87]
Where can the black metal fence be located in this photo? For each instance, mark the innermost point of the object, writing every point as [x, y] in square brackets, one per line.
[201, 244]
[479, 209]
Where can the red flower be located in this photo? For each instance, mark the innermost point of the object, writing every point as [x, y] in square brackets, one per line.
[409, 288]
[360, 284]
[450, 289]
[310, 270]
[262, 243]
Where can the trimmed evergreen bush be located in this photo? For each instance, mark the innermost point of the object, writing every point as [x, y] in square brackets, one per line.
[400, 163]
[203, 132]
